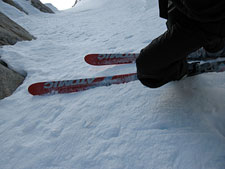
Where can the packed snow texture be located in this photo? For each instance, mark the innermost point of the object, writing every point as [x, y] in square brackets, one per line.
[178, 126]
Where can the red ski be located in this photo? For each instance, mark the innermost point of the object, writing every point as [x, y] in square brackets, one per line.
[69, 86]
[111, 59]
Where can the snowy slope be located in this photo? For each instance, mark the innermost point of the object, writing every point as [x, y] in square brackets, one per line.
[178, 126]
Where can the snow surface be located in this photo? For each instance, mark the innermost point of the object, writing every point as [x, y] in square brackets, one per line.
[26, 4]
[178, 126]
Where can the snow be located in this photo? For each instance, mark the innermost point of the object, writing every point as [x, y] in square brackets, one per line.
[10, 11]
[26, 4]
[180, 125]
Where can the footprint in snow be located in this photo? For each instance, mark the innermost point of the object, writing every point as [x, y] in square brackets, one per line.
[110, 133]
[129, 37]
[56, 132]
[31, 127]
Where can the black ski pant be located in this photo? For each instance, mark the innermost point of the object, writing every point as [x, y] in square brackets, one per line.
[164, 59]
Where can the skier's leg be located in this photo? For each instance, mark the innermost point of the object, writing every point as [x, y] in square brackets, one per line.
[214, 45]
[214, 49]
[164, 59]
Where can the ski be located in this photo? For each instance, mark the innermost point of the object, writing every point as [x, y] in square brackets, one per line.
[126, 58]
[69, 86]
[110, 59]
[196, 68]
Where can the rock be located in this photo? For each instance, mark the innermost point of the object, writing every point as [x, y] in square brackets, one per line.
[10, 2]
[52, 7]
[11, 32]
[76, 1]
[3, 63]
[37, 4]
[9, 81]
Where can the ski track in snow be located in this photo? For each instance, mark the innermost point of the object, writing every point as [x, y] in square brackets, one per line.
[180, 125]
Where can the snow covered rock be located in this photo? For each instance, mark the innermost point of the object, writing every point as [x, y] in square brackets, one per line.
[37, 4]
[52, 7]
[11, 11]
[10, 2]
[76, 2]
[31, 7]
[11, 32]
[9, 81]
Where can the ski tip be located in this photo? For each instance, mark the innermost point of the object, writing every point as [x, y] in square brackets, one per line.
[31, 89]
[36, 89]
[91, 59]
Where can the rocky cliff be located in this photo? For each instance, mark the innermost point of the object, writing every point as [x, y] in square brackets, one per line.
[12, 3]
[10, 33]
[9, 81]
[43, 8]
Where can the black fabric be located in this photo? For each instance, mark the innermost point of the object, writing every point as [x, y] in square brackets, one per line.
[163, 8]
[202, 10]
[213, 33]
[209, 14]
[199, 10]
[164, 59]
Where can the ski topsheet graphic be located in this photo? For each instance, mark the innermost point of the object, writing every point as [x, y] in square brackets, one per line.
[69, 86]
[111, 59]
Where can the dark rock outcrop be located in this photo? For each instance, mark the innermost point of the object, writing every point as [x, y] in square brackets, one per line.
[52, 7]
[37, 4]
[76, 1]
[11, 32]
[9, 81]
[12, 3]
[3, 63]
